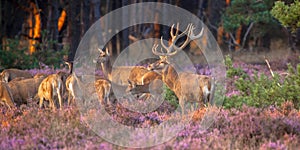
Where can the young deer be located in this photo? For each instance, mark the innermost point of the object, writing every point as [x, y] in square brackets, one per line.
[101, 87]
[137, 75]
[10, 74]
[181, 83]
[103, 90]
[50, 87]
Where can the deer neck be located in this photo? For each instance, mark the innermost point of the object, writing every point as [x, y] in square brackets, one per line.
[107, 69]
[170, 77]
[70, 68]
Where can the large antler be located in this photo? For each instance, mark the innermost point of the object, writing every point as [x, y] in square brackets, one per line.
[173, 49]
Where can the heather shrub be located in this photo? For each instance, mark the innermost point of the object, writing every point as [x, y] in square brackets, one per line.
[260, 90]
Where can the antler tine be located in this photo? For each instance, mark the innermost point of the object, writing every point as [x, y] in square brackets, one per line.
[186, 31]
[172, 30]
[193, 36]
[175, 37]
[154, 48]
[164, 46]
[187, 41]
[155, 52]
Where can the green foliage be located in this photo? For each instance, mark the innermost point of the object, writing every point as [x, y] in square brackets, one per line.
[46, 53]
[16, 57]
[288, 15]
[231, 71]
[260, 90]
[170, 96]
[291, 85]
[244, 12]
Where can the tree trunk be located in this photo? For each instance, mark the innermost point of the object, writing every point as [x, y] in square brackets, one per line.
[1, 27]
[215, 8]
[74, 25]
[165, 29]
[293, 39]
[157, 26]
[52, 26]
[44, 18]
[96, 9]
[85, 17]
[201, 8]
[125, 19]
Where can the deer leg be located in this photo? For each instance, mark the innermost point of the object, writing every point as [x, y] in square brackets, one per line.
[205, 94]
[41, 101]
[10, 104]
[72, 92]
[69, 98]
[59, 98]
[7, 105]
[51, 104]
[107, 96]
[144, 95]
[181, 103]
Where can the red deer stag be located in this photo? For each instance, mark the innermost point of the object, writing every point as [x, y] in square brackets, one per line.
[180, 83]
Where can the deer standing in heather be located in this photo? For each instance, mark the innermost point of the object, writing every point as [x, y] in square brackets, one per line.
[138, 75]
[50, 87]
[24, 89]
[180, 83]
[10, 74]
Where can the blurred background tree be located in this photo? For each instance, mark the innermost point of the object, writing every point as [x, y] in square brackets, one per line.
[252, 16]
[289, 16]
[236, 24]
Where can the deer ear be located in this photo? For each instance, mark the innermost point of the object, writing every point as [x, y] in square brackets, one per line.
[107, 52]
[100, 50]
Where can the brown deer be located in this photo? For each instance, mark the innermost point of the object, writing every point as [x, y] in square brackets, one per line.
[24, 89]
[72, 85]
[154, 87]
[10, 74]
[137, 75]
[103, 90]
[101, 87]
[181, 83]
[6, 97]
[50, 87]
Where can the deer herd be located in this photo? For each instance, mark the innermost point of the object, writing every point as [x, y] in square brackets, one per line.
[17, 86]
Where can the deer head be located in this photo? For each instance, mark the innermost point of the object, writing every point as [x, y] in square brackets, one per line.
[103, 57]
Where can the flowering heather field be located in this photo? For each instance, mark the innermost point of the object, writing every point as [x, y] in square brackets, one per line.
[273, 127]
